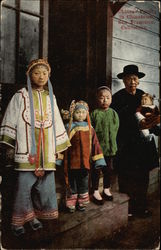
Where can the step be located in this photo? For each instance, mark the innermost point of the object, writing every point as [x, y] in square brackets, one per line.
[76, 230]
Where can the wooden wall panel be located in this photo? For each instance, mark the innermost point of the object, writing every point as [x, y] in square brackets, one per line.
[150, 7]
[136, 36]
[135, 53]
[140, 14]
[137, 45]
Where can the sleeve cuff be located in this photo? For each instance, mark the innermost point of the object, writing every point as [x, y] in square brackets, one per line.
[100, 162]
[59, 162]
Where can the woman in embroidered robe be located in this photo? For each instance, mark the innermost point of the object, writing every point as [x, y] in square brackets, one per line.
[32, 127]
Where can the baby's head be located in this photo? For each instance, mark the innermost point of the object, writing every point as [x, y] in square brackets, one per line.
[39, 72]
[80, 111]
[104, 97]
[147, 99]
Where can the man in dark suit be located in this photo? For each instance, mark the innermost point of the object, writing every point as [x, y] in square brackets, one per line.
[135, 157]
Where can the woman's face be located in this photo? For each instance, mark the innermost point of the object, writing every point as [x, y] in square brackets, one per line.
[39, 76]
[131, 82]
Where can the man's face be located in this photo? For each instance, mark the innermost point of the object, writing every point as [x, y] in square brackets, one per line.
[131, 82]
[104, 99]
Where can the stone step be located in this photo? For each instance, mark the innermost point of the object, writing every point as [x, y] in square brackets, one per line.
[76, 230]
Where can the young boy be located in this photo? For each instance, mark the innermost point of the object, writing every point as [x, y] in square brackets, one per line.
[77, 159]
[32, 127]
[106, 123]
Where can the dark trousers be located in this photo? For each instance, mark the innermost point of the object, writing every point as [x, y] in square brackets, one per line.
[106, 171]
[78, 180]
[135, 184]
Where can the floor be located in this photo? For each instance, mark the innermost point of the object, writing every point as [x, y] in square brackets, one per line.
[140, 233]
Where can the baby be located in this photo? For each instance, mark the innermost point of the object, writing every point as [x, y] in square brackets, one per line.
[147, 116]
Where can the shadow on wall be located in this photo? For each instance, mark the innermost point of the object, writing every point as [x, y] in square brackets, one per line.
[117, 85]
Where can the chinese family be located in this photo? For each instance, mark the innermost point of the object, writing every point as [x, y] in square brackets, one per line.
[118, 134]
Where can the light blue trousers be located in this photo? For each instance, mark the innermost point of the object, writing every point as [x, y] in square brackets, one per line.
[35, 197]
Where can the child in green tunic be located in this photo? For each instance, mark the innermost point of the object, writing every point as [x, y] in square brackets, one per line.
[106, 123]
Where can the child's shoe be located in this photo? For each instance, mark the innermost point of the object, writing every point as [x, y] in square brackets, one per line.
[35, 224]
[17, 230]
[107, 195]
[97, 202]
[97, 199]
[71, 209]
[81, 208]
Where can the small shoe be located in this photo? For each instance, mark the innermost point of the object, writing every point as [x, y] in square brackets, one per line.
[107, 197]
[97, 202]
[81, 208]
[35, 224]
[17, 230]
[71, 209]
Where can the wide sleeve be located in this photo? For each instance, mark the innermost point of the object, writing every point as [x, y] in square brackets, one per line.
[114, 126]
[115, 119]
[62, 140]
[97, 155]
[139, 116]
[147, 122]
[8, 128]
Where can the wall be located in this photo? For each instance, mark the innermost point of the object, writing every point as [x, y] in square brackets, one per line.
[136, 41]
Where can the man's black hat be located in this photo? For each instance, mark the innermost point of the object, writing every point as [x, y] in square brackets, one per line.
[130, 70]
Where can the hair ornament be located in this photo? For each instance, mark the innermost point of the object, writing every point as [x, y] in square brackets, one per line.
[35, 62]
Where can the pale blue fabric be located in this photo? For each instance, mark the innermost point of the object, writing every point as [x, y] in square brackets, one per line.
[34, 193]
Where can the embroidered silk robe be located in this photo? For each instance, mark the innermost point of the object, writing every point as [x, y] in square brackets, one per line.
[83, 151]
[15, 129]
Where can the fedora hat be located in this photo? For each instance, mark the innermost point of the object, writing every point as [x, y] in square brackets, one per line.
[130, 70]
